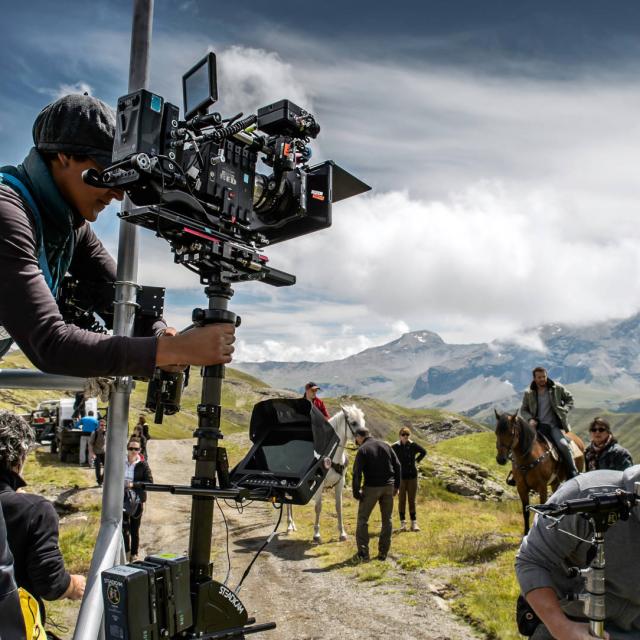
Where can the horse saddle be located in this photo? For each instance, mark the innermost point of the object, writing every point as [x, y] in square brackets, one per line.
[545, 436]
[553, 452]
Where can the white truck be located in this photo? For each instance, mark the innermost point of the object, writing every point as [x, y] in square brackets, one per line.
[53, 421]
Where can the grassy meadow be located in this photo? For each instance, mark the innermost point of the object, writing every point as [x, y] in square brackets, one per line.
[466, 546]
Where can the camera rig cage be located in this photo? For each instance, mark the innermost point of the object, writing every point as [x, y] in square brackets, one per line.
[194, 183]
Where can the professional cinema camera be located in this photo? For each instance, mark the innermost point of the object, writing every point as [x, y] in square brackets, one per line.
[195, 183]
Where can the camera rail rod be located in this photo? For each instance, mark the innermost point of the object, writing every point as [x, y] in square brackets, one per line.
[187, 490]
[238, 632]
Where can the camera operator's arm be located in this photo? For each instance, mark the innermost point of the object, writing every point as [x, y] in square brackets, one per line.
[93, 263]
[30, 314]
[543, 558]
[545, 603]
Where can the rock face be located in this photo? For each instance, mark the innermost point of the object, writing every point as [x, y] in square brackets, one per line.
[438, 430]
[421, 370]
[468, 479]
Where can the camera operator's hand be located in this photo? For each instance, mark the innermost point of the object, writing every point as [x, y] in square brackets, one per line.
[544, 602]
[211, 344]
[578, 631]
[75, 590]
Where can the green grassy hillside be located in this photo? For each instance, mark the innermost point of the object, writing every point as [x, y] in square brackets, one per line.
[240, 392]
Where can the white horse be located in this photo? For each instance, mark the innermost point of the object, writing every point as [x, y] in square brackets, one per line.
[345, 422]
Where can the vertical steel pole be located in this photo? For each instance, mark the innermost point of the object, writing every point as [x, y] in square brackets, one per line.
[108, 550]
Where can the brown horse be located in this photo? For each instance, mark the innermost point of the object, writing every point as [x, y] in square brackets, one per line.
[533, 466]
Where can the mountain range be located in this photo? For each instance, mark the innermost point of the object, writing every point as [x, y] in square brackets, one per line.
[599, 362]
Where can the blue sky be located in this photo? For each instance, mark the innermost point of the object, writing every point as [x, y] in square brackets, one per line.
[501, 140]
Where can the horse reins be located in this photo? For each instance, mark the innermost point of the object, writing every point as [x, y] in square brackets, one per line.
[522, 467]
[340, 468]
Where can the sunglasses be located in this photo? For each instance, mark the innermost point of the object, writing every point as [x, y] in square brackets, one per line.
[405, 435]
[598, 430]
[133, 449]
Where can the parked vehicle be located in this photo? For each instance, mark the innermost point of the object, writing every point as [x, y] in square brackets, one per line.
[43, 423]
[54, 420]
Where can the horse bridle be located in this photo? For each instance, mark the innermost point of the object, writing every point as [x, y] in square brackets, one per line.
[513, 438]
[522, 467]
[339, 468]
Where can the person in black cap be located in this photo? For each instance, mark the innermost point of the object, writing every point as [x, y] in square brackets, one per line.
[376, 480]
[311, 394]
[45, 208]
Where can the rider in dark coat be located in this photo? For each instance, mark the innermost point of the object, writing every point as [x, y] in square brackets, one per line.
[545, 405]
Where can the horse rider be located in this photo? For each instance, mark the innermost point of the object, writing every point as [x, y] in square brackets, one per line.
[545, 405]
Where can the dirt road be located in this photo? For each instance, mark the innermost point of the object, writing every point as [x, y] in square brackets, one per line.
[286, 584]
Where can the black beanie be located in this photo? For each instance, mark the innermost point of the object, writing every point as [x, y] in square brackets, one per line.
[78, 125]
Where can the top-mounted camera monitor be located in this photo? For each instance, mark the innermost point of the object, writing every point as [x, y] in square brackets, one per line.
[200, 86]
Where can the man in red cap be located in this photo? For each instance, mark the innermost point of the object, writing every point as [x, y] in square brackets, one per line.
[311, 394]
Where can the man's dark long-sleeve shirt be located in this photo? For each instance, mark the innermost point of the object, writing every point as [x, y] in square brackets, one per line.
[30, 313]
[379, 465]
[409, 455]
[32, 533]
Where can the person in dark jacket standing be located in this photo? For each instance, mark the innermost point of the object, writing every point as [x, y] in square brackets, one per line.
[32, 522]
[409, 454]
[136, 470]
[379, 466]
[45, 211]
[604, 452]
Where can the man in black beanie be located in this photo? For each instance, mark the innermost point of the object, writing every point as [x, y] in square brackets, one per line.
[45, 208]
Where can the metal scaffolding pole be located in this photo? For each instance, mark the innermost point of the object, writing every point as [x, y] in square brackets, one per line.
[109, 548]
[34, 379]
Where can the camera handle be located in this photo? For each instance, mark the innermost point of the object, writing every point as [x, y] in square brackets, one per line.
[206, 451]
[216, 609]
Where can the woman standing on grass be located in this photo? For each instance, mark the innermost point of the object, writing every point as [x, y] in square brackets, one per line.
[604, 452]
[409, 453]
[135, 470]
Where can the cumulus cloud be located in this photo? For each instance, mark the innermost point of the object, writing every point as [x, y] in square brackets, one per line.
[77, 87]
[499, 225]
[500, 201]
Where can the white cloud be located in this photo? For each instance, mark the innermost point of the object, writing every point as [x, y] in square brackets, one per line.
[77, 87]
[499, 203]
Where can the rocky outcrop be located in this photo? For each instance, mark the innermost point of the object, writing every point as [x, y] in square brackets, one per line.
[467, 479]
[437, 430]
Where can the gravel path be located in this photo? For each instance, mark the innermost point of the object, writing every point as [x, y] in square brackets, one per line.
[287, 585]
